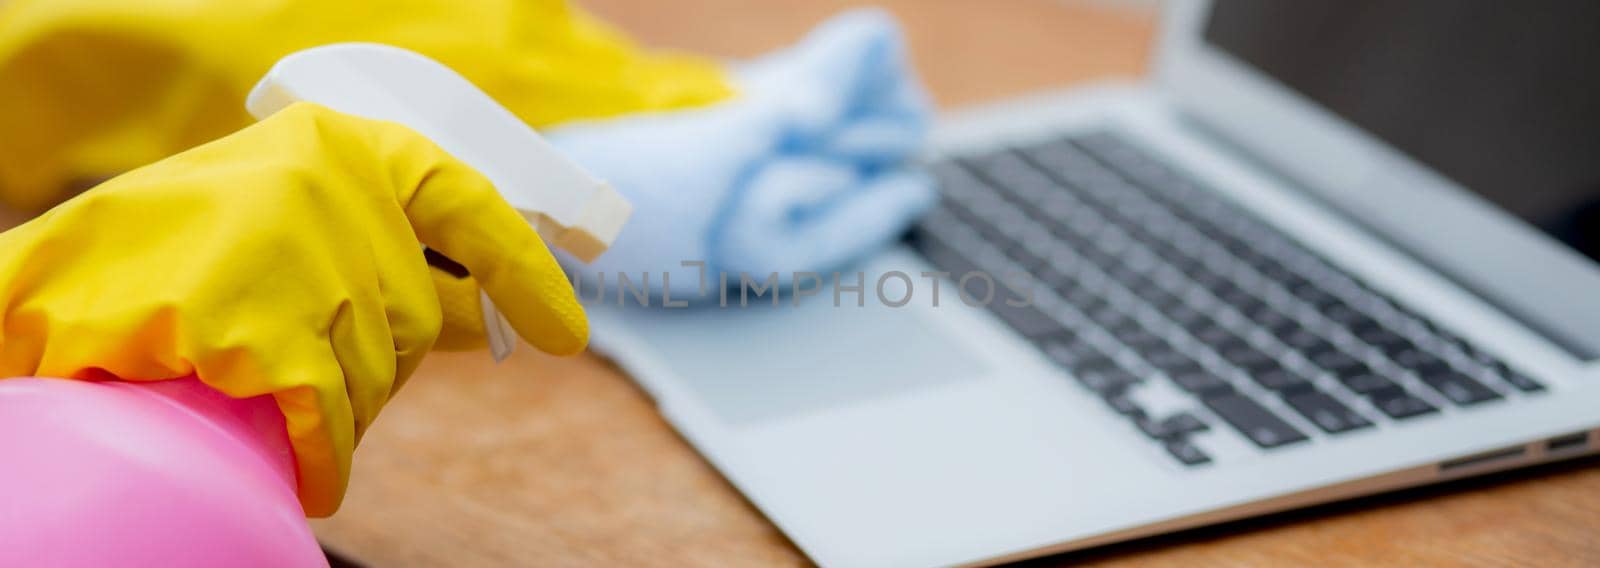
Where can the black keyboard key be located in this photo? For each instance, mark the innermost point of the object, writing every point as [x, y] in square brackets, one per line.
[1516, 379]
[1151, 427]
[1071, 353]
[978, 215]
[1084, 300]
[1029, 258]
[1303, 339]
[1097, 257]
[1102, 362]
[1523, 382]
[1399, 404]
[1209, 279]
[1122, 404]
[1202, 383]
[1274, 270]
[1338, 362]
[1427, 324]
[1346, 373]
[1136, 336]
[1280, 379]
[1054, 278]
[1181, 424]
[1229, 292]
[1473, 352]
[1452, 340]
[1027, 320]
[934, 245]
[1245, 303]
[1326, 412]
[1171, 362]
[1421, 362]
[1214, 335]
[1249, 358]
[1254, 421]
[1434, 370]
[1272, 320]
[1311, 294]
[1175, 257]
[1398, 347]
[1312, 349]
[1055, 208]
[1126, 276]
[1154, 347]
[1158, 298]
[1293, 281]
[1262, 263]
[1105, 380]
[1367, 382]
[1348, 317]
[1460, 389]
[1367, 325]
[1385, 339]
[1183, 314]
[1110, 317]
[1200, 323]
[1186, 452]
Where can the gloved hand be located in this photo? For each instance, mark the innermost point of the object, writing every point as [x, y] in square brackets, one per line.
[805, 169]
[285, 259]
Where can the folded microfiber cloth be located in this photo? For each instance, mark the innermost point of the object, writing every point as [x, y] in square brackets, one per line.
[806, 169]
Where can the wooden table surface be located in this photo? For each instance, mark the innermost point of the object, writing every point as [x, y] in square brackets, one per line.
[545, 461]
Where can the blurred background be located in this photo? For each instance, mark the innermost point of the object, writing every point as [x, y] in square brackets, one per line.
[1016, 46]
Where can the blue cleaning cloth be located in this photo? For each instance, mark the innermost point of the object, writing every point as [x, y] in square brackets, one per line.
[806, 169]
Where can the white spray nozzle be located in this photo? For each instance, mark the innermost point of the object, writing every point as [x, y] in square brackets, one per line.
[569, 208]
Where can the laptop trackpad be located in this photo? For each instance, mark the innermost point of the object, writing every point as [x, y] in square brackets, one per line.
[759, 363]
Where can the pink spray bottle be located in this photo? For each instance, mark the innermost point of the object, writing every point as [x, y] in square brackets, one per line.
[169, 473]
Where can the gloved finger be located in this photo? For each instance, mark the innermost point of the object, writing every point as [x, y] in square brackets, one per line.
[361, 339]
[320, 420]
[461, 304]
[456, 211]
[411, 305]
[806, 214]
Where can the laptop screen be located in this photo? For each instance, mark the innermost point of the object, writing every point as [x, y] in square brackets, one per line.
[1502, 97]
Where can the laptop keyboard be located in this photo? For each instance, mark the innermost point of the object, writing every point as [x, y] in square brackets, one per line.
[1139, 274]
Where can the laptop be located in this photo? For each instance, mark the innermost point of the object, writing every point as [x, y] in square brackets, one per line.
[1328, 249]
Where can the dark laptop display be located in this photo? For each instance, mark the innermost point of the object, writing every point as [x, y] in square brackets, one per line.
[1502, 97]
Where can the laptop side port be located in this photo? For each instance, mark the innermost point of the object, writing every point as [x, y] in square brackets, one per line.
[1569, 443]
[1483, 460]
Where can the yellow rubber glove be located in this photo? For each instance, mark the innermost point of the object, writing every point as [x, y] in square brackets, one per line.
[285, 259]
[92, 88]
